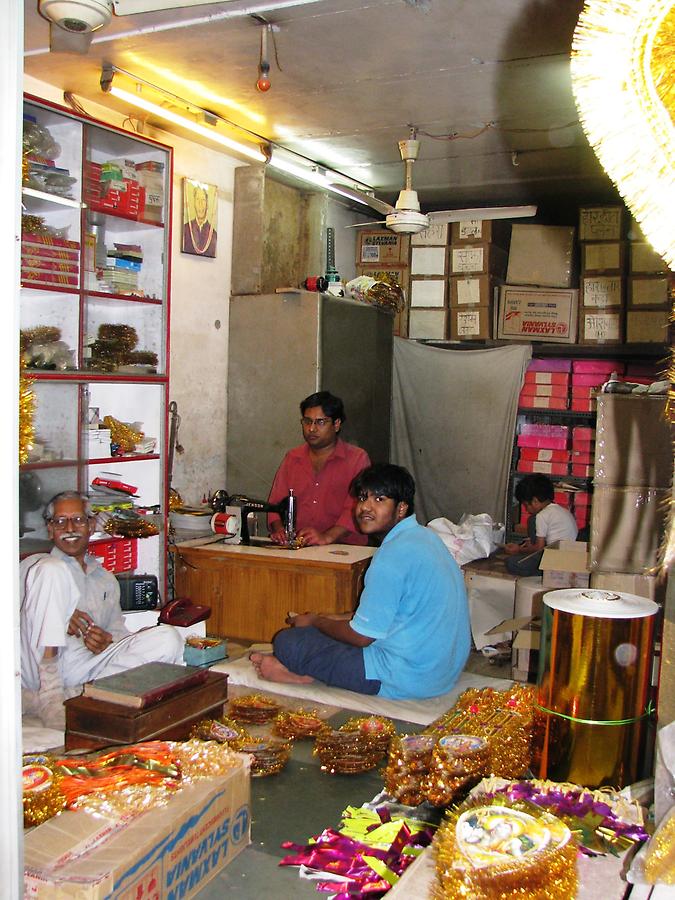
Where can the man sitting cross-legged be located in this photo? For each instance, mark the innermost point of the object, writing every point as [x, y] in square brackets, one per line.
[72, 628]
[409, 637]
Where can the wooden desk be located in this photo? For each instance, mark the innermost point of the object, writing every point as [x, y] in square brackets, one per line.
[252, 589]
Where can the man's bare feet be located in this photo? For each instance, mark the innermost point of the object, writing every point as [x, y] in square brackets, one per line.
[268, 667]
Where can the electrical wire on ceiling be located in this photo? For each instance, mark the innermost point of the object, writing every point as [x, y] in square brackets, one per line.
[456, 136]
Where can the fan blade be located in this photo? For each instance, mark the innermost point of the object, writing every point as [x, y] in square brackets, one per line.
[62, 41]
[367, 224]
[373, 202]
[488, 212]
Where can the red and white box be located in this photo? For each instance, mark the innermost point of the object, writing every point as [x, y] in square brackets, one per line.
[543, 441]
[545, 468]
[535, 377]
[580, 471]
[527, 401]
[544, 390]
[582, 459]
[582, 498]
[583, 393]
[562, 498]
[580, 405]
[544, 454]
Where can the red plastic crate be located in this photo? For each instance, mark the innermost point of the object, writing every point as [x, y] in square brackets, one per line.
[117, 555]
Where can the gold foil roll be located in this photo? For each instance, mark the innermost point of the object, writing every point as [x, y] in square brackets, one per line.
[594, 686]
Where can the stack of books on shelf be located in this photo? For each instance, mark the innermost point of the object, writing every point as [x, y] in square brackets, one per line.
[49, 260]
[113, 186]
[121, 269]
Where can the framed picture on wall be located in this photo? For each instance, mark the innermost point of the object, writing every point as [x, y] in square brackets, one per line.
[200, 218]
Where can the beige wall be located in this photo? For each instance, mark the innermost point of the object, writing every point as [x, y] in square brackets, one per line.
[200, 290]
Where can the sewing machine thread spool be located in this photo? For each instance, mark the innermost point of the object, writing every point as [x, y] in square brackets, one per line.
[224, 523]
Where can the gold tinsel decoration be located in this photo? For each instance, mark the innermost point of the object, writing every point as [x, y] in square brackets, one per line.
[494, 850]
[458, 762]
[407, 765]
[348, 752]
[503, 718]
[298, 723]
[122, 434]
[27, 403]
[136, 527]
[659, 864]
[42, 794]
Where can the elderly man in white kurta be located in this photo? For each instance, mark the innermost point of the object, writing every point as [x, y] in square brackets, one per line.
[72, 628]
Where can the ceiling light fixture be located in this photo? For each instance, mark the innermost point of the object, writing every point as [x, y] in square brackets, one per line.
[268, 151]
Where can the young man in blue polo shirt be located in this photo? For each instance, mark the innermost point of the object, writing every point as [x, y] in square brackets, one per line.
[409, 637]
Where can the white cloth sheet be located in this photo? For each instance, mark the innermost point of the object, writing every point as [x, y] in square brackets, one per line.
[421, 712]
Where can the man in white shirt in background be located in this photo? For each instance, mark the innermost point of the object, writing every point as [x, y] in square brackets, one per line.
[72, 627]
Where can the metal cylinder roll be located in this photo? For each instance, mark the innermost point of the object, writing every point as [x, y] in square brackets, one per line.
[593, 688]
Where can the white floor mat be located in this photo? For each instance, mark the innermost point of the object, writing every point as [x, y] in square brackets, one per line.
[421, 712]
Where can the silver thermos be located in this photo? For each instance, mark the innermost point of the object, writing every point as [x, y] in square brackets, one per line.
[289, 524]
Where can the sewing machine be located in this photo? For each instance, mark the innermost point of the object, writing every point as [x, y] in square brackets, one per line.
[231, 515]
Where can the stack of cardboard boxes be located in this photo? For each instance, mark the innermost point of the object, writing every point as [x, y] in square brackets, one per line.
[428, 284]
[381, 252]
[538, 302]
[603, 254]
[651, 292]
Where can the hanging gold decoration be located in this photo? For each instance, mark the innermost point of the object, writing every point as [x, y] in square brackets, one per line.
[123, 434]
[27, 403]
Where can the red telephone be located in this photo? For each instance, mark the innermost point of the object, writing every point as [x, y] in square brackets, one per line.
[183, 613]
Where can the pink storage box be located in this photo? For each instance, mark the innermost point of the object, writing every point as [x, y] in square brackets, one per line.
[544, 390]
[598, 365]
[580, 471]
[547, 377]
[539, 428]
[634, 370]
[591, 380]
[543, 441]
[562, 498]
[545, 454]
[582, 498]
[582, 459]
[582, 392]
[583, 433]
[579, 405]
[587, 447]
[550, 365]
[529, 402]
[545, 468]
[582, 517]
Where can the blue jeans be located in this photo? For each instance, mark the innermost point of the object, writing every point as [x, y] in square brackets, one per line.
[307, 651]
[526, 564]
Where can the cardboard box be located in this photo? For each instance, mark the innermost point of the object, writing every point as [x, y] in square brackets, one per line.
[648, 326]
[537, 314]
[649, 586]
[428, 292]
[535, 389]
[601, 223]
[472, 290]
[470, 323]
[606, 258]
[433, 236]
[534, 377]
[428, 261]
[169, 852]
[475, 231]
[379, 246]
[633, 439]
[600, 327]
[429, 324]
[627, 524]
[565, 565]
[644, 259]
[530, 401]
[541, 255]
[477, 259]
[602, 291]
[650, 291]
[547, 468]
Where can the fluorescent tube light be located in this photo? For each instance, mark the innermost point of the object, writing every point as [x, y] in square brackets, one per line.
[308, 175]
[169, 116]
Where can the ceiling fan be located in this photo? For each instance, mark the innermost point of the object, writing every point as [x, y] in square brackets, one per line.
[72, 22]
[406, 217]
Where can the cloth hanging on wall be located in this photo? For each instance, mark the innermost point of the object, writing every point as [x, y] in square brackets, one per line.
[453, 420]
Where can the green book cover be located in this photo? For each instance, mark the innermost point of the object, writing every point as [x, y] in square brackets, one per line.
[144, 685]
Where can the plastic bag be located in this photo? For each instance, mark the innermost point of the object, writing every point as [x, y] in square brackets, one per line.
[476, 537]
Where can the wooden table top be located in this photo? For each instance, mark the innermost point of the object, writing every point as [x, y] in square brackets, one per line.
[330, 554]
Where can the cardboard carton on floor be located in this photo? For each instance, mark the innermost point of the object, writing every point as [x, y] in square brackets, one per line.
[168, 852]
[525, 645]
[565, 565]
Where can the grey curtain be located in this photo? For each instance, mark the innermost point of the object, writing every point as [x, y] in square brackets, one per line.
[454, 415]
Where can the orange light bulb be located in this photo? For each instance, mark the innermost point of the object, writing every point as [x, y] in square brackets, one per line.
[263, 84]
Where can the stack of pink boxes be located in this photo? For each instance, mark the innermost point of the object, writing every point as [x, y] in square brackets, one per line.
[588, 375]
[547, 383]
[544, 448]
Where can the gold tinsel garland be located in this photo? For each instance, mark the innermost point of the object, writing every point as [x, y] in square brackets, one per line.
[494, 850]
[27, 403]
[123, 434]
[659, 863]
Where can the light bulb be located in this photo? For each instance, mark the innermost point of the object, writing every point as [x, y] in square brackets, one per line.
[263, 83]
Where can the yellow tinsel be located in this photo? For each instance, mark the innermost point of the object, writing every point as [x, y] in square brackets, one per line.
[660, 853]
[27, 403]
[123, 434]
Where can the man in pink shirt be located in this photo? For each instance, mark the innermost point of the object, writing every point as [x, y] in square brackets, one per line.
[320, 472]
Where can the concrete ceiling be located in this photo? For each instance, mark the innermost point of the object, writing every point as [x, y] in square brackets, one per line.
[488, 79]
